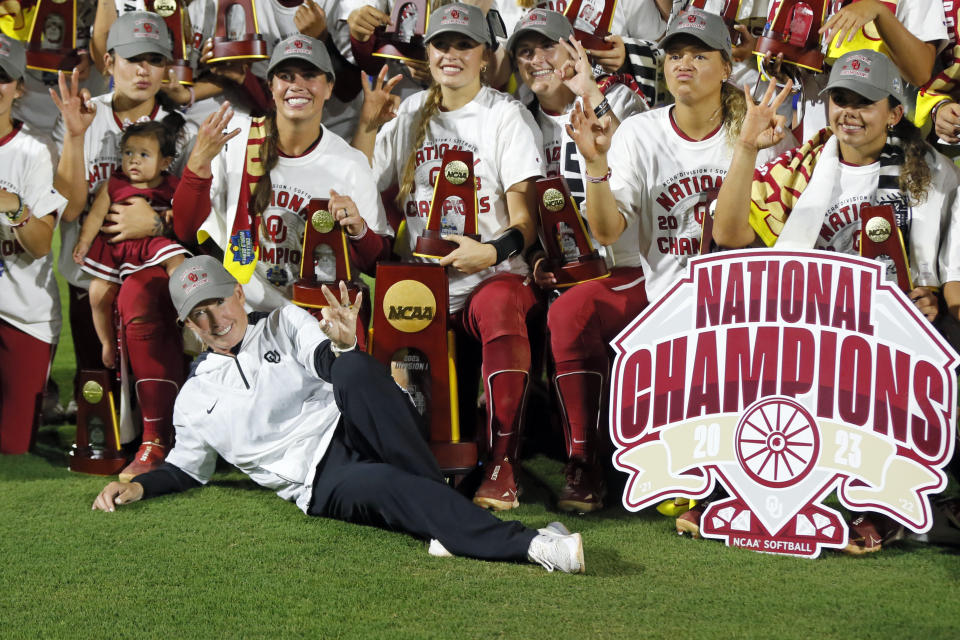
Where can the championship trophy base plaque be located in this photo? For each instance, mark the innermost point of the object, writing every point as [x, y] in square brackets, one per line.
[237, 37]
[410, 335]
[97, 450]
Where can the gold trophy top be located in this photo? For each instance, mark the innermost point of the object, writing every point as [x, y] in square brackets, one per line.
[322, 221]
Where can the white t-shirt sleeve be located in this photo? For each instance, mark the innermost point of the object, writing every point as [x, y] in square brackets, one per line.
[38, 192]
[59, 130]
[624, 102]
[386, 165]
[366, 196]
[626, 182]
[949, 255]
[925, 19]
[519, 145]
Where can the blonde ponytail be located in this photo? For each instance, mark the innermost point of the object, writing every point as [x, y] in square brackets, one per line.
[430, 106]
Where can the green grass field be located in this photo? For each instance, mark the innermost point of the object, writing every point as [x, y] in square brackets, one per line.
[232, 560]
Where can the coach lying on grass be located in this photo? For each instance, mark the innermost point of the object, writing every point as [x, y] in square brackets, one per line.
[292, 403]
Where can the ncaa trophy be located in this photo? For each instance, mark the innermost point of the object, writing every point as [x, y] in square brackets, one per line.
[52, 43]
[324, 260]
[571, 255]
[881, 240]
[172, 12]
[454, 206]
[411, 336]
[402, 39]
[237, 36]
[97, 450]
[792, 29]
[591, 20]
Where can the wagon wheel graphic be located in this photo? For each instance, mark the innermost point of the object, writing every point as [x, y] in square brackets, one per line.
[777, 442]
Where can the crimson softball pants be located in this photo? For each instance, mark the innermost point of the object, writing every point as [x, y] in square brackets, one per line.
[379, 471]
[24, 363]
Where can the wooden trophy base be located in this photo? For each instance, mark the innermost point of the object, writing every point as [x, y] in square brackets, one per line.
[96, 463]
[593, 40]
[430, 244]
[388, 47]
[588, 268]
[807, 58]
[455, 458]
[182, 72]
[52, 61]
[251, 48]
[307, 293]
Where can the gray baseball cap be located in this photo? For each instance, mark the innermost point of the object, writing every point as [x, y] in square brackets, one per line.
[869, 73]
[456, 17]
[301, 47]
[140, 32]
[550, 24]
[13, 57]
[706, 27]
[197, 279]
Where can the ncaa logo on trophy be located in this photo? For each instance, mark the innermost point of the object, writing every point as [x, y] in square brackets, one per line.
[784, 376]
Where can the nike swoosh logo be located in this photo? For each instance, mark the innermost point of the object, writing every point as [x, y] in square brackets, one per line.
[210, 410]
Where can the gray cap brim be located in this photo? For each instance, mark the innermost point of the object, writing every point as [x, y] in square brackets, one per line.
[476, 37]
[868, 91]
[317, 55]
[13, 57]
[140, 48]
[10, 68]
[512, 41]
[208, 292]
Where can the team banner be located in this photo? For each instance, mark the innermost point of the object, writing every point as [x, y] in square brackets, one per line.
[784, 376]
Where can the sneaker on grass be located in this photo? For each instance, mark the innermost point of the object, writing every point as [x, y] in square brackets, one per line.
[555, 529]
[557, 551]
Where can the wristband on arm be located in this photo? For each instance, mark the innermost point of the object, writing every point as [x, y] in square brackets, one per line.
[508, 244]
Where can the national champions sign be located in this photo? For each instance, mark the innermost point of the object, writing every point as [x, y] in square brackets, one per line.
[784, 376]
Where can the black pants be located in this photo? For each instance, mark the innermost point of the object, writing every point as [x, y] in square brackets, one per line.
[379, 471]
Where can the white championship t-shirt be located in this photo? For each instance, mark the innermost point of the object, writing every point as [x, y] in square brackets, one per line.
[505, 142]
[664, 183]
[332, 164]
[29, 299]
